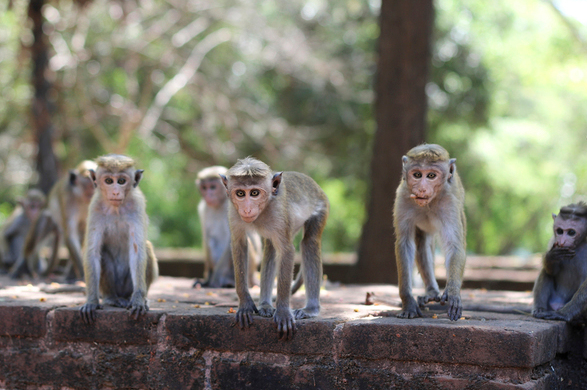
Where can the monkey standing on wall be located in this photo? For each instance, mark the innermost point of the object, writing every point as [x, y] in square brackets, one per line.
[119, 261]
[276, 206]
[213, 213]
[429, 200]
[64, 218]
[16, 227]
[560, 291]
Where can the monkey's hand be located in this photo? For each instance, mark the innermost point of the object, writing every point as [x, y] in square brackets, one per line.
[559, 254]
[410, 309]
[455, 307]
[244, 314]
[137, 305]
[551, 315]
[88, 312]
[285, 323]
[432, 295]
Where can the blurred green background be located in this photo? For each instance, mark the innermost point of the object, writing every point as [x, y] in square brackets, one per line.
[181, 85]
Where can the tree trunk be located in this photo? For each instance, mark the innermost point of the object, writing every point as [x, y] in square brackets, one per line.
[404, 57]
[42, 108]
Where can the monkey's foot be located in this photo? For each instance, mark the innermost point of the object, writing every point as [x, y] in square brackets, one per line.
[410, 309]
[551, 315]
[137, 306]
[306, 312]
[88, 312]
[116, 302]
[244, 315]
[431, 296]
[266, 310]
[455, 307]
[285, 323]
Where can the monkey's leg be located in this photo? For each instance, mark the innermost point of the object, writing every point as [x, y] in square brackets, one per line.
[454, 250]
[114, 288]
[54, 258]
[223, 273]
[266, 309]
[312, 266]
[425, 263]
[405, 251]
[246, 306]
[152, 265]
[72, 241]
[283, 317]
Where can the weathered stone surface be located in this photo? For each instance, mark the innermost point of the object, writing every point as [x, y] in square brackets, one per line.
[22, 321]
[112, 326]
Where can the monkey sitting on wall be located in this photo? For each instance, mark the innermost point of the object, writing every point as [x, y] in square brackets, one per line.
[17, 226]
[429, 201]
[277, 206]
[560, 291]
[213, 213]
[65, 219]
[118, 259]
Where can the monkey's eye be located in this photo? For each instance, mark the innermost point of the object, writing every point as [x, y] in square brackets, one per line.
[240, 193]
[213, 187]
[417, 175]
[559, 231]
[108, 180]
[431, 175]
[572, 232]
[121, 181]
[255, 193]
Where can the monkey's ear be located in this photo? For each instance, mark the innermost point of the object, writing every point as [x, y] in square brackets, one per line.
[224, 180]
[275, 182]
[404, 161]
[72, 177]
[138, 177]
[452, 165]
[553, 216]
[93, 176]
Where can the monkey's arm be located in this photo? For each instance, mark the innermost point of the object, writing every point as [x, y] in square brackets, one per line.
[246, 306]
[571, 310]
[72, 239]
[138, 270]
[92, 273]
[542, 290]
[222, 275]
[554, 257]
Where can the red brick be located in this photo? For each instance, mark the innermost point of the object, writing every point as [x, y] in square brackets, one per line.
[23, 321]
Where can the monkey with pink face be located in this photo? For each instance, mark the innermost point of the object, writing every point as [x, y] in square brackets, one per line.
[119, 261]
[560, 291]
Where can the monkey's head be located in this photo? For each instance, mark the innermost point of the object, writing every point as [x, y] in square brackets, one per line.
[570, 225]
[115, 177]
[210, 185]
[426, 170]
[250, 184]
[33, 203]
[81, 181]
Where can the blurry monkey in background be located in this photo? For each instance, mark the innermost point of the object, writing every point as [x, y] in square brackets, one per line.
[429, 200]
[213, 213]
[560, 291]
[17, 226]
[119, 261]
[65, 219]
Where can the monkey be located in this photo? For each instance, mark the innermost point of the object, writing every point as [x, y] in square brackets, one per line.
[118, 259]
[429, 201]
[560, 291]
[277, 206]
[65, 219]
[16, 227]
[213, 212]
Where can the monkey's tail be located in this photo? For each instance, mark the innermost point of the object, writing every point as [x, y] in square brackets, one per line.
[298, 282]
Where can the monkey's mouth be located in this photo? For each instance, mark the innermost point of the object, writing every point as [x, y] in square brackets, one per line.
[248, 219]
[420, 198]
[115, 201]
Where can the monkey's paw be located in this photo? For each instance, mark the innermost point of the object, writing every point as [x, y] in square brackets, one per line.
[88, 312]
[455, 307]
[266, 310]
[431, 296]
[244, 315]
[285, 324]
[306, 312]
[551, 315]
[137, 306]
[410, 309]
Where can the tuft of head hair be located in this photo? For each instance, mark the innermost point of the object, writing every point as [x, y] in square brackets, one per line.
[574, 211]
[212, 172]
[428, 152]
[115, 162]
[86, 166]
[36, 195]
[249, 167]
